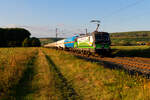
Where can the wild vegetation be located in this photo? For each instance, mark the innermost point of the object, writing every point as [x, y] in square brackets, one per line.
[31, 42]
[17, 37]
[46, 74]
[92, 81]
[137, 34]
[13, 63]
[131, 51]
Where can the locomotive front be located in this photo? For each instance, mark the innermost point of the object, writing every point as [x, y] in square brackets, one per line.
[101, 42]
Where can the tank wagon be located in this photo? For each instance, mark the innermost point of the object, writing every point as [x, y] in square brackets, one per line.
[58, 44]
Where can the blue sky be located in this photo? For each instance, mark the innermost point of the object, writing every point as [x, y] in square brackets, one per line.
[41, 17]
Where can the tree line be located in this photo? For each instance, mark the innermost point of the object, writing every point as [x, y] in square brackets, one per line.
[17, 37]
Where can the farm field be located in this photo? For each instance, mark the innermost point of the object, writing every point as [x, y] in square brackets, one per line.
[47, 74]
[131, 51]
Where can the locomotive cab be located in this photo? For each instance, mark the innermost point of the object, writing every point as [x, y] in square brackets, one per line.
[101, 41]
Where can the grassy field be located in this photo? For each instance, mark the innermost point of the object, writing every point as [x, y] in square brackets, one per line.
[131, 51]
[46, 74]
[130, 38]
[13, 63]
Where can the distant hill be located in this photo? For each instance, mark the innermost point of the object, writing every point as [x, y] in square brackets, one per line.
[131, 38]
[136, 34]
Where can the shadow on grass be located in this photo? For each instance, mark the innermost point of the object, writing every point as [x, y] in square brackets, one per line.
[131, 53]
[67, 91]
[23, 88]
[110, 65]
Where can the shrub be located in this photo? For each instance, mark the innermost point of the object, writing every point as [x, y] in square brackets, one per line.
[31, 42]
[35, 42]
[26, 42]
[13, 36]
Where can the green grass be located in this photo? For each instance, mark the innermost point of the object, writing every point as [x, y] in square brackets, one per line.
[46, 74]
[131, 51]
[41, 85]
[135, 34]
[13, 64]
[129, 40]
[92, 81]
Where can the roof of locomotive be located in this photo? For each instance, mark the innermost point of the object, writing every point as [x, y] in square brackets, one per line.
[93, 33]
[96, 32]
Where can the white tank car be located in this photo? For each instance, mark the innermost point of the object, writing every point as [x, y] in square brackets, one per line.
[58, 44]
[50, 45]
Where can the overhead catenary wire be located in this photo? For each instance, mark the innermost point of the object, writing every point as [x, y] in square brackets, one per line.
[122, 9]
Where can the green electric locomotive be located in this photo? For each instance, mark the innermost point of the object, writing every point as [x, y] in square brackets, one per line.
[96, 42]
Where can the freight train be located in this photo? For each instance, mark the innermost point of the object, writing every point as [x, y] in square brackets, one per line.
[97, 42]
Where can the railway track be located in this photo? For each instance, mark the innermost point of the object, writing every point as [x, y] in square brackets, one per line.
[131, 63]
[136, 64]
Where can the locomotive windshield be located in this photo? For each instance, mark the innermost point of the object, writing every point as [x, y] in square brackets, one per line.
[102, 37]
